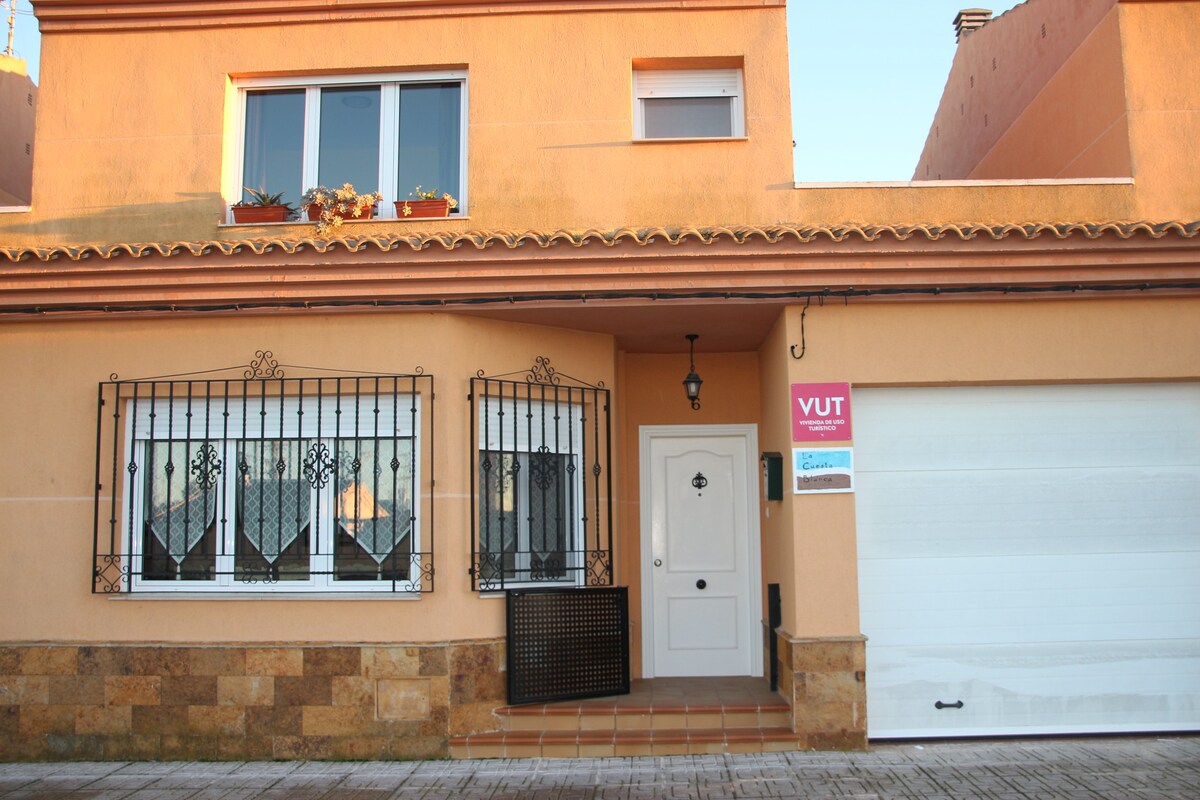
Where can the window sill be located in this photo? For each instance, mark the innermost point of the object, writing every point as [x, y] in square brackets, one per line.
[687, 140]
[288, 596]
[373, 220]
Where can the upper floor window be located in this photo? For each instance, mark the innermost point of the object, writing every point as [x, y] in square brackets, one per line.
[385, 133]
[688, 104]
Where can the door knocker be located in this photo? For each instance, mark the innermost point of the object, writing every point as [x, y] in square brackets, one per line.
[699, 482]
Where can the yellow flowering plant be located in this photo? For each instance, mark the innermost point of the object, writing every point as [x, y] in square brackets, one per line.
[404, 209]
[337, 204]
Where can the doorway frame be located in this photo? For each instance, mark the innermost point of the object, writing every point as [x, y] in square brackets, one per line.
[749, 432]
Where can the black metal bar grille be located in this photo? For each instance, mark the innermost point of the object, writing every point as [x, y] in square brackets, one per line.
[565, 644]
[541, 490]
[265, 483]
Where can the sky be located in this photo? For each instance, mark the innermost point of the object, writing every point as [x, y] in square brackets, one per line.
[866, 79]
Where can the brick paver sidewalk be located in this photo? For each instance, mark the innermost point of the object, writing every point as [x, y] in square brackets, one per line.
[1147, 768]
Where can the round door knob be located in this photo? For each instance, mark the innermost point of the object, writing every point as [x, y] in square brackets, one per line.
[700, 584]
[658, 562]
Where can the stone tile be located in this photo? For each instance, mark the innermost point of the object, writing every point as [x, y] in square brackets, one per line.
[23, 690]
[816, 656]
[95, 660]
[129, 748]
[76, 690]
[216, 661]
[103, 720]
[162, 661]
[391, 662]
[216, 720]
[132, 690]
[473, 718]
[353, 690]
[334, 720]
[332, 660]
[433, 661]
[10, 720]
[315, 690]
[36, 720]
[245, 690]
[302, 747]
[38, 660]
[274, 721]
[189, 690]
[10, 660]
[274, 661]
[159, 720]
[843, 687]
[403, 698]
[360, 748]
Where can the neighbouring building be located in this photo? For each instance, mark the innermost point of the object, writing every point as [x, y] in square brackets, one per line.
[275, 493]
[18, 104]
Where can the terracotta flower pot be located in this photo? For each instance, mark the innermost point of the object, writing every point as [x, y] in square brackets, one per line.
[244, 215]
[422, 208]
[314, 213]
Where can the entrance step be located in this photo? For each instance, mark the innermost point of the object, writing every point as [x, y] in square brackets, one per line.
[665, 716]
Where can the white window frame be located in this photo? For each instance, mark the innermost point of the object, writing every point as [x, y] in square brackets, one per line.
[561, 437]
[668, 83]
[389, 117]
[327, 431]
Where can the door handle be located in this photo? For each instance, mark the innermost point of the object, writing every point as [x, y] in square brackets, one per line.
[939, 705]
[700, 584]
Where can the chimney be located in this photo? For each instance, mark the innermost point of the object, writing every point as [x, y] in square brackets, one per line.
[970, 20]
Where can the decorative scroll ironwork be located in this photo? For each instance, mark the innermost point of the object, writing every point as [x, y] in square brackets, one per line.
[332, 488]
[542, 487]
[264, 366]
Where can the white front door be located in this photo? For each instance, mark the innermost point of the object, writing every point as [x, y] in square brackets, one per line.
[701, 577]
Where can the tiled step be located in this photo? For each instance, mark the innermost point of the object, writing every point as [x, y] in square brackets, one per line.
[606, 743]
[659, 716]
[674, 716]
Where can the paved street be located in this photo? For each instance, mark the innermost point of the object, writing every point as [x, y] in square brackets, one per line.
[1082, 769]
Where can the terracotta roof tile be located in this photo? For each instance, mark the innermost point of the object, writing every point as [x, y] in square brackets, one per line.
[740, 234]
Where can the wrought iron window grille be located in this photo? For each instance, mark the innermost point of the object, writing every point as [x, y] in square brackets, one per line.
[541, 492]
[246, 479]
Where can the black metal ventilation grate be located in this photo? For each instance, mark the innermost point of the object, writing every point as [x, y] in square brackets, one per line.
[566, 644]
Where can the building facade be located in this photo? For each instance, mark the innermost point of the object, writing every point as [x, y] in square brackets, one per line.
[271, 490]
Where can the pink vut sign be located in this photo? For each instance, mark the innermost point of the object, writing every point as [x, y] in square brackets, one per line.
[820, 411]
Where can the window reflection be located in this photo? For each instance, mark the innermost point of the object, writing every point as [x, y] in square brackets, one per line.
[429, 138]
[274, 143]
[349, 147]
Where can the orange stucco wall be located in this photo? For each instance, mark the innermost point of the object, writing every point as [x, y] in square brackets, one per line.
[549, 136]
[808, 542]
[1162, 56]
[50, 417]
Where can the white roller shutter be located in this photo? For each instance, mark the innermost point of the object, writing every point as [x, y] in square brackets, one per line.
[1033, 552]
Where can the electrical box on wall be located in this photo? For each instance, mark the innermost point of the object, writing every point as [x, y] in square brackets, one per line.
[772, 471]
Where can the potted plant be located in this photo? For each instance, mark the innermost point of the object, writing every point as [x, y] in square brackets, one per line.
[330, 207]
[425, 204]
[262, 206]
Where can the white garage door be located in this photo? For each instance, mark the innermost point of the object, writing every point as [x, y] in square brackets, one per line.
[1029, 558]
